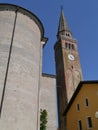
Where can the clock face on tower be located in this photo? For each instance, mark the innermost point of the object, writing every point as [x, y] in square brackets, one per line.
[71, 57]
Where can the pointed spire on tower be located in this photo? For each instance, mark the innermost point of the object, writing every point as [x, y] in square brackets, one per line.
[63, 26]
[62, 22]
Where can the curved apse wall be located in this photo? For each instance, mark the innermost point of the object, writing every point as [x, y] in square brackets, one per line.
[20, 51]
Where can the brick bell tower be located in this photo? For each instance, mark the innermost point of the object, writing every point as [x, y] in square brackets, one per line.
[68, 68]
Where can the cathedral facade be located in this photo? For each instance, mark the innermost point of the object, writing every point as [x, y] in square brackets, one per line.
[24, 89]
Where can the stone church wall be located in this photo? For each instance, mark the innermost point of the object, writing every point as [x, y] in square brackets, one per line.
[20, 50]
[48, 99]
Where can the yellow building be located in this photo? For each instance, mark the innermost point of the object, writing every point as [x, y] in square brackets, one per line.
[82, 110]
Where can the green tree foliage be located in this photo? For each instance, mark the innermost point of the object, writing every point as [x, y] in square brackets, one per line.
[43, 119]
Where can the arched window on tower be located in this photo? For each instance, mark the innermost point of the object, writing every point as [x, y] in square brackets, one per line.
[73, 47]
[69, 46]
[66, 45]
[67, 34]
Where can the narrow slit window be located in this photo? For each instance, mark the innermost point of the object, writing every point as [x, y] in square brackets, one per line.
[86, 102]
[79, 125]
[89, 122]
[78, 107]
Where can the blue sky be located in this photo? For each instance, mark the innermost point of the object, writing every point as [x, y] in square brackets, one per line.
[82, 17]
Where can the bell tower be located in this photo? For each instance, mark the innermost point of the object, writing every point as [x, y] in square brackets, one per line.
[68, 68]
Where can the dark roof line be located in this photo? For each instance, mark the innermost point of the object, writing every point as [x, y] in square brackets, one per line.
[48, 75]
